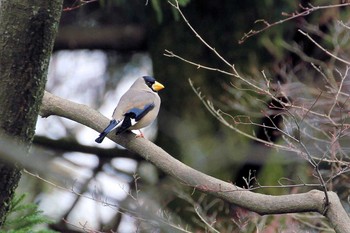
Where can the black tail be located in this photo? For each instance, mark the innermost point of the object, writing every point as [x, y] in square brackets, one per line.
[126, 124]
[112, 124]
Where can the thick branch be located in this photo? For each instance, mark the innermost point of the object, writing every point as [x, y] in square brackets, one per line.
[312, 201]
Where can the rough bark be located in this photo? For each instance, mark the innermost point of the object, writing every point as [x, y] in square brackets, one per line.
[312, 201]
[27, 32]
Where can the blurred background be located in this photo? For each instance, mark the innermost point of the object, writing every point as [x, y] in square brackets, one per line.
[103, 46]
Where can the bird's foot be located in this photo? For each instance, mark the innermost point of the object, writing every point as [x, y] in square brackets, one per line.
[140, 135]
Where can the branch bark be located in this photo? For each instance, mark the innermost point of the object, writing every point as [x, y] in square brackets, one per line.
[312, 201]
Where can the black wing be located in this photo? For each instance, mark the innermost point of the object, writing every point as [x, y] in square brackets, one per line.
[135, 114]
[112, 124]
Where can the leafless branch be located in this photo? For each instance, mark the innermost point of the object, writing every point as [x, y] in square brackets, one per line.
[177, 7]
[199, 66]
[263, 204]
[290, 16]
[77, 4]
[323, 49]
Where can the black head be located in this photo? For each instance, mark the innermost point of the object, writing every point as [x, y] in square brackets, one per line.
[149, 80]
[152, 83]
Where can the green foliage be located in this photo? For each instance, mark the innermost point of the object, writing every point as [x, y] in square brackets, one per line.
[159, 6]
[24, 217]
[272, 171]
[156, 5]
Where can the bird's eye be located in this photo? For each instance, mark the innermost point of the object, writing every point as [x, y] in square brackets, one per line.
[149, 83]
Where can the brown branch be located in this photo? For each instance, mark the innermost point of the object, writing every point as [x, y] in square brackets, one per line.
[312, 201]
[77, 4]
[177, 7]
[323, 49]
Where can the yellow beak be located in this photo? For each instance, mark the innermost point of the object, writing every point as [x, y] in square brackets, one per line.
[157, 86]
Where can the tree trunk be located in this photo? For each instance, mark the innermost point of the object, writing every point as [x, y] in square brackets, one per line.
[27, 32]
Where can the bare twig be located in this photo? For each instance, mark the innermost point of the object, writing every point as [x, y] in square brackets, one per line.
[323, 49]
[177, 7]
[343, 77]
[77, 4]
[305, 11]
[212, 229]
[199, 66]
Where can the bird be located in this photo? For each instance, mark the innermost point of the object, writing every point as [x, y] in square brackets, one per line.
[137, 108]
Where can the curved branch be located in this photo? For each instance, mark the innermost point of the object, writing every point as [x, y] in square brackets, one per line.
[312, 201]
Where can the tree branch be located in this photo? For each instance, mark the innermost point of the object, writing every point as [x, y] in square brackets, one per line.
[65, 145]
[312, 201]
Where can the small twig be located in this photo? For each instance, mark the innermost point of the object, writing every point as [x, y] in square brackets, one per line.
[196, 209]
[220, 116]
[177, 7]
[291, 16]
[199, 66]
[339, 90]
[319, 175]
[71, 190]
[234, 73]
[309, 109]
[343, 24]
[77, 4]
[323, 49]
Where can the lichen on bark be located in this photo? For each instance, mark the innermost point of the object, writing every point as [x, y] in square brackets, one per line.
[27, 32]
